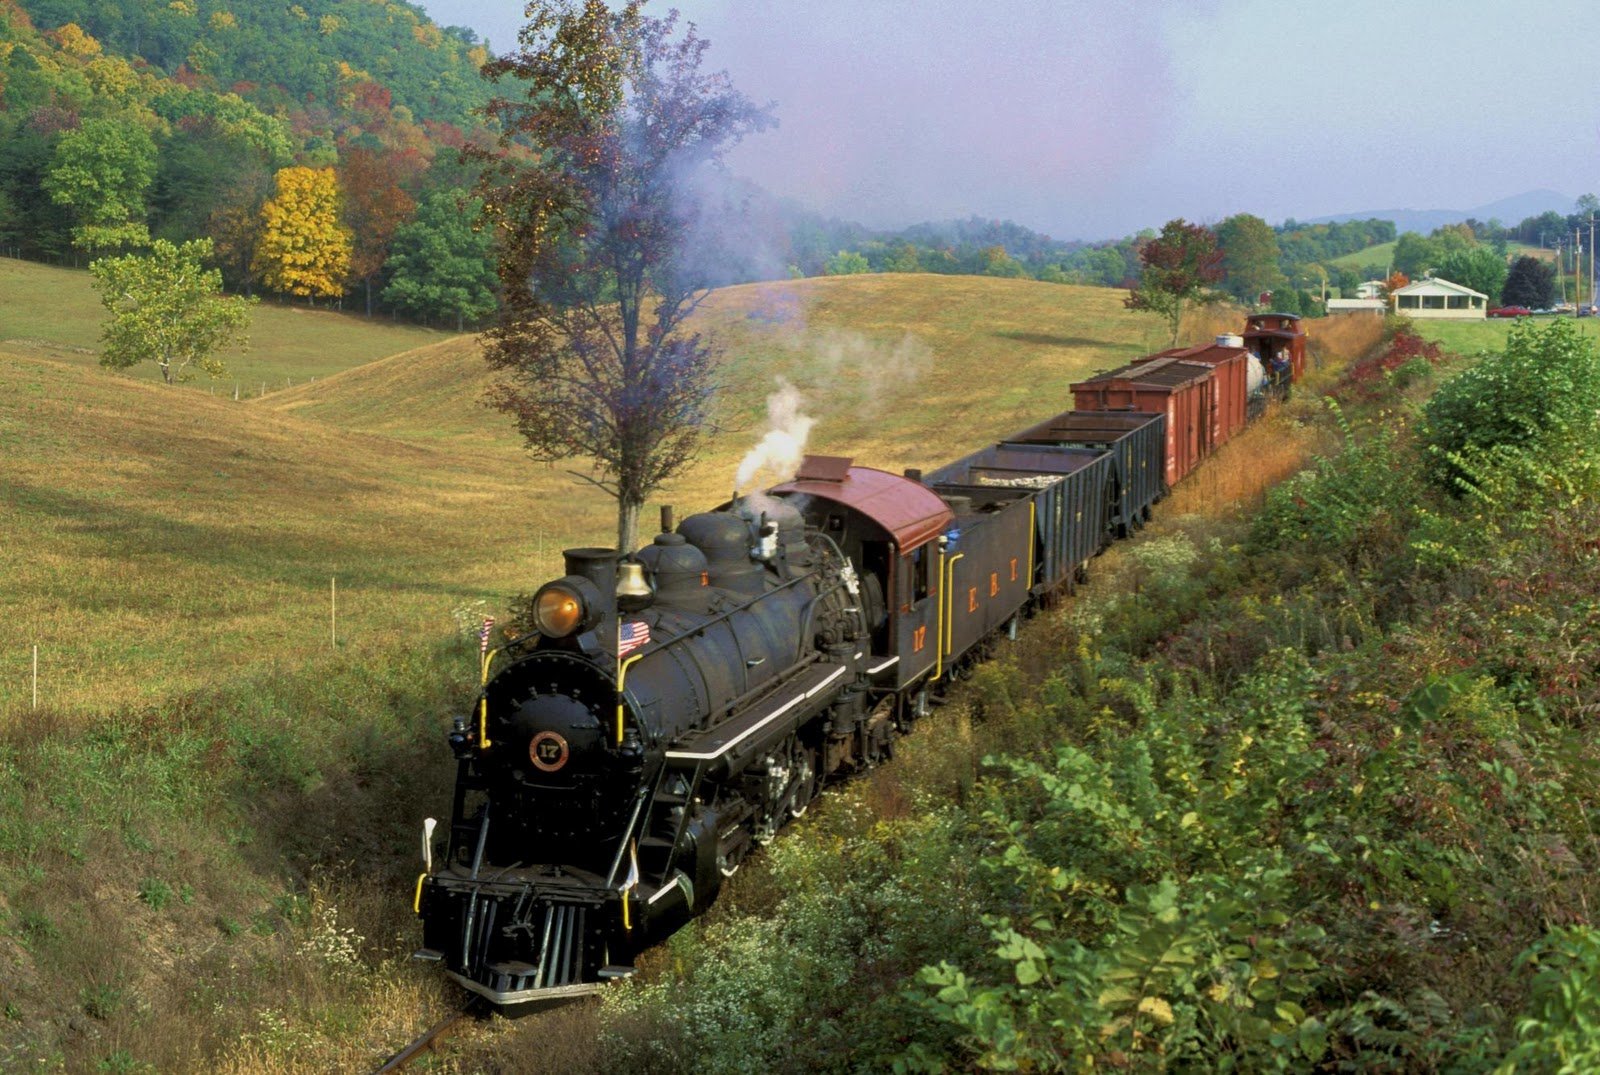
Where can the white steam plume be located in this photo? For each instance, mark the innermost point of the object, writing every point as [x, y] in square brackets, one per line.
[879, 373]
[779, 454]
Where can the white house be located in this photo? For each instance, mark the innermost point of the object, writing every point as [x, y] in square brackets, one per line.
[1433, 297]
[1370, 289]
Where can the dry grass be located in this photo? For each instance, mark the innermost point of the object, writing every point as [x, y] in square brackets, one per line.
[157, 539]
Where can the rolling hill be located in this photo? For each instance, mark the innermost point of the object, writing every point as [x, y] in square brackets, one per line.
[160, 537]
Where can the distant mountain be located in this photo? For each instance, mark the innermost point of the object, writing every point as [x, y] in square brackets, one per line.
[1508, 211]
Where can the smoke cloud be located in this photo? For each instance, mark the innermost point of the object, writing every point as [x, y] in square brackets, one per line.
[777, 457]
[876, 371]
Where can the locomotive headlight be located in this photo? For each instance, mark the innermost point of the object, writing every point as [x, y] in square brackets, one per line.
[566, 606]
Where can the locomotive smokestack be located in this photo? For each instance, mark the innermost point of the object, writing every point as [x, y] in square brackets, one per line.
[666, 518]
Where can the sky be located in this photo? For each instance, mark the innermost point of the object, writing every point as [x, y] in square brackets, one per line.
[1094, 120]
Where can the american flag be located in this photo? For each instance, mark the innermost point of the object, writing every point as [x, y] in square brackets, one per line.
[483, 635]
[631, 636]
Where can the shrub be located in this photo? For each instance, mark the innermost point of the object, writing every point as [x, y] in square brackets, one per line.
[1406, 359]
[1540, 395]
[1348, 503]
[1561, 1031]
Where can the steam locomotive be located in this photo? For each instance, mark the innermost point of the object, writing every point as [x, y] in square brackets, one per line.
[677, 706]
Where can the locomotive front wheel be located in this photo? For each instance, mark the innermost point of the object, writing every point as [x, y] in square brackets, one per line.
[806, 783]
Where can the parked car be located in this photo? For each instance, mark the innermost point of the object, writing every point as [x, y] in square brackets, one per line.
[1510, 311]
[1588, 309]
[1564, 308]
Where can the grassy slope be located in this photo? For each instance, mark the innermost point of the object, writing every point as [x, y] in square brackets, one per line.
[1382, 254]
[152, 546]
[49, 312]
[1470, 337]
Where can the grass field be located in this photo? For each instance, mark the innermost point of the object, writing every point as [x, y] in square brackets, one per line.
[54, 313]
[157, 538]
[1489, 334]
[1382, 254]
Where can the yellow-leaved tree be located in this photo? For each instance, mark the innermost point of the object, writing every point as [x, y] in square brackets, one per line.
[304, 250]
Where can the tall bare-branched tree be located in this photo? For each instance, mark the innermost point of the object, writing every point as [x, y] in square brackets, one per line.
[590, 195]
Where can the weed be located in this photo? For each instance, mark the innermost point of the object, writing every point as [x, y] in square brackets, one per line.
[123, 1062]
[101, 1000]
[155, 892]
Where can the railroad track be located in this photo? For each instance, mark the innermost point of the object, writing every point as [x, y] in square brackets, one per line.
[472, 1009]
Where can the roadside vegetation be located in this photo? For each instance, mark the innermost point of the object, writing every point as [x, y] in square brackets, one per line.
[1304, 787]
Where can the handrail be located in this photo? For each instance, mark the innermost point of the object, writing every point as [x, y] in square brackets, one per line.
[483, 700]
[938, 622]
[950, 620]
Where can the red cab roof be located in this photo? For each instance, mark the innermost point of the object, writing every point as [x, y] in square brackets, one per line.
[907, 510]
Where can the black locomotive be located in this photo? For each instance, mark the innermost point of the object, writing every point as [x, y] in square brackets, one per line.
[676, 707]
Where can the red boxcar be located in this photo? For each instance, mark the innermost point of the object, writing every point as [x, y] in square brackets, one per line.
[1185, 392]
[1232, 363]
[1279, 342]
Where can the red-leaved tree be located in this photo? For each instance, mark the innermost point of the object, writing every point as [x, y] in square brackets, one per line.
[594, 228]
[374, 206]
[1179, 267]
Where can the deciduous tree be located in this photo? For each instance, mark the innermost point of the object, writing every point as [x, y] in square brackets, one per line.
[166, 307]
[1179, 268]
[1530, 282]
[101, 172]
[441, 268]
[1415, 255]
[1249, 257]
[1479, 268]
[596, 265]
[304, 249]
[374, 206]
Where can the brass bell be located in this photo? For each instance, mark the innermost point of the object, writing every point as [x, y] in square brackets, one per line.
[633, 592]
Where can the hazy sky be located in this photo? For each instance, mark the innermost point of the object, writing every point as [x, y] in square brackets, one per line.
[1092, 120]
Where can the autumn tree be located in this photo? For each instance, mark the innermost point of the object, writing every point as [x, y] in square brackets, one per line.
[166, 307]
[1179, 267]
[1249, 257]
[595, 231]
[303, 248]
[374, 206]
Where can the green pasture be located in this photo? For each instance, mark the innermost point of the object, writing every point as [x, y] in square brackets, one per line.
[1489, 334]
[56, 313]
[1382, 254]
